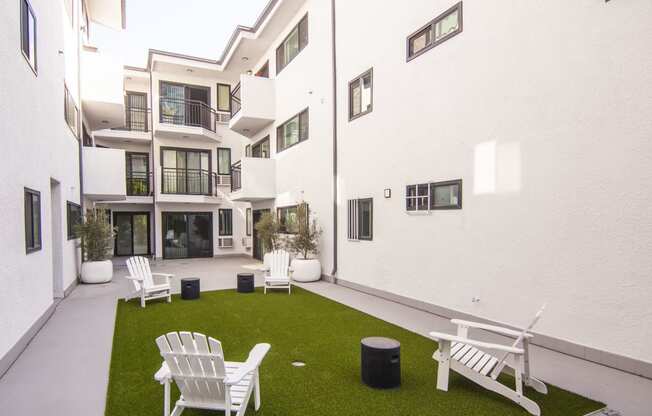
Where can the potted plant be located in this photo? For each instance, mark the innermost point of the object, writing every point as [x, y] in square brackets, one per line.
[303, 243]
[96, 242]
[267, 228]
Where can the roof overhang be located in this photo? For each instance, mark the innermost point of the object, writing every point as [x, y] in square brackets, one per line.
[109, 13]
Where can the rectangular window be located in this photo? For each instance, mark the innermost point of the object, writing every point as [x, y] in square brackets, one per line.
[70, 111]
[261, 149]
[432, 196]
[248, 221]
[32, 220]
[74, 216]
[440, 29]
[292, 45]
[28, 33]
[287, 218]
[225, 222]
[186, 171]
[136, 111]
[248, 150]
[446, 195]
[224, 97]
[360, 219]
[223, 161]
[361, 95]
[293, 131]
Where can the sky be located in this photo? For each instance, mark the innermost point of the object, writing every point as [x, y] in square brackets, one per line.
[193, 27]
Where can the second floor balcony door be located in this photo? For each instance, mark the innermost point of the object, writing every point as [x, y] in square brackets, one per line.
[136, 116]
[185, 105]
[137, 174]
[186, 172]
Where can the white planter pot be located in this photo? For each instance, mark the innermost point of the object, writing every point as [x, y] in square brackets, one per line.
[97, 271]
[306, 270]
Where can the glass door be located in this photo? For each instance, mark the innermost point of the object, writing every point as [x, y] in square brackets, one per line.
[259, 249]
[173, 107]
[137, 174]
[132, 237]
[187, 235]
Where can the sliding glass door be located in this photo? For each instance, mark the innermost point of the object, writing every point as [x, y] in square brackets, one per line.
[132, 233]
[187, 235]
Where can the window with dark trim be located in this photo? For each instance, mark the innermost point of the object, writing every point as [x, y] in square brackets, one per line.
[70, 111]
[360, 219]
[185, 171]
[437, 31]
[74, 217]
[223, 161]
[434, 196]
[224, 97]
[287, 219]
[248, 221]
[294, 43]
[225, 222]
[32, 220]
[260, 149]
[361, 95]
[293, 131]
[248, 150]
[28, 34]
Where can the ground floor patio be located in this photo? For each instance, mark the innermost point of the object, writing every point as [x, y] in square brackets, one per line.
[65, 369]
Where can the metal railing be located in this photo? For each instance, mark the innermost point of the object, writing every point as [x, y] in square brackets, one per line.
[136, 119]
[187, 113]
[236, 176]
[236, 104]
[138, 184]
[188, 182]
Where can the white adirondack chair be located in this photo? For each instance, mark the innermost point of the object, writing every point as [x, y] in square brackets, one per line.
[475, 360]
[278, 274]
[205, 380]
[147, 285]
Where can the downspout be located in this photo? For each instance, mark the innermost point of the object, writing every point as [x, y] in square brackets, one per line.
[80, 121]
[153, 167]
[335, 189]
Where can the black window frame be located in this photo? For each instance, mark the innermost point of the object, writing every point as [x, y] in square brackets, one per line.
[281, 47]
[281, 128]
[217, 98]
[431, 26]
[434, 185]
[228, 167]
[282, 225]
[28, 200]
[26, 11]
[354, 228]
[73, 208]
[224, 227]
[186, 150]
[360, 79]
[258, 145]
[70, 111]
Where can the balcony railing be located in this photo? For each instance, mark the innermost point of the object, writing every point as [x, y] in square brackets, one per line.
[236, 176]
[138, 184]
[188, 182]
[136, 119]
[236, 104]
[187, 113]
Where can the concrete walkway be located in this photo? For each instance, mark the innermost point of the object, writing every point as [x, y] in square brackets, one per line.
[64, 370]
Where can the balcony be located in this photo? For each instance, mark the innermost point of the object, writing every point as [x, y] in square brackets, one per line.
[252, 105]
[188, 186]
[253, 179]
[104, 173]
[180, 118]
[138, 122]
[102, 87]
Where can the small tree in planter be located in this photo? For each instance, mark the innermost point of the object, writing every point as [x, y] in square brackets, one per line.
[96, 236]
[267, 228]
[304, 243]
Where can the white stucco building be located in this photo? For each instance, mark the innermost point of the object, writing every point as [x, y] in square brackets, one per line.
[469, 159]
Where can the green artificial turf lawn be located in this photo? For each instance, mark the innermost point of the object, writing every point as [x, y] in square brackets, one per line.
[307, 327]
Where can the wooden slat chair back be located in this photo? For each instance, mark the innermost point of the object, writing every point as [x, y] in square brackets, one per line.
[144, 282]
[196, 364]
[278, 275]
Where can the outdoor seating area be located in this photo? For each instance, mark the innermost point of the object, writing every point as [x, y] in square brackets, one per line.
[322, 335]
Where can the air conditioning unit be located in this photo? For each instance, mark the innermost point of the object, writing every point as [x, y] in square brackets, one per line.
[223, 180]
[225, 242]
[246, 242]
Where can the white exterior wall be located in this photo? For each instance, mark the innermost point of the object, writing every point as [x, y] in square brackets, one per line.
[548, 126]
[304, 171]
[39, 147]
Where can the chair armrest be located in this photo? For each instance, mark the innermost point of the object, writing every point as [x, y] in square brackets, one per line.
[130, 277]
[163, 374]
[480, 344]
[163, 275]
[492, 328]
[253, 362]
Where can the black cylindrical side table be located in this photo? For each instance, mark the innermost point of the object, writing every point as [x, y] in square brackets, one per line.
[245, 282]
[381, 362]
[190, 288]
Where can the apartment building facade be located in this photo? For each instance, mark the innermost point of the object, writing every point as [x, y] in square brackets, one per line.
[47, 101]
